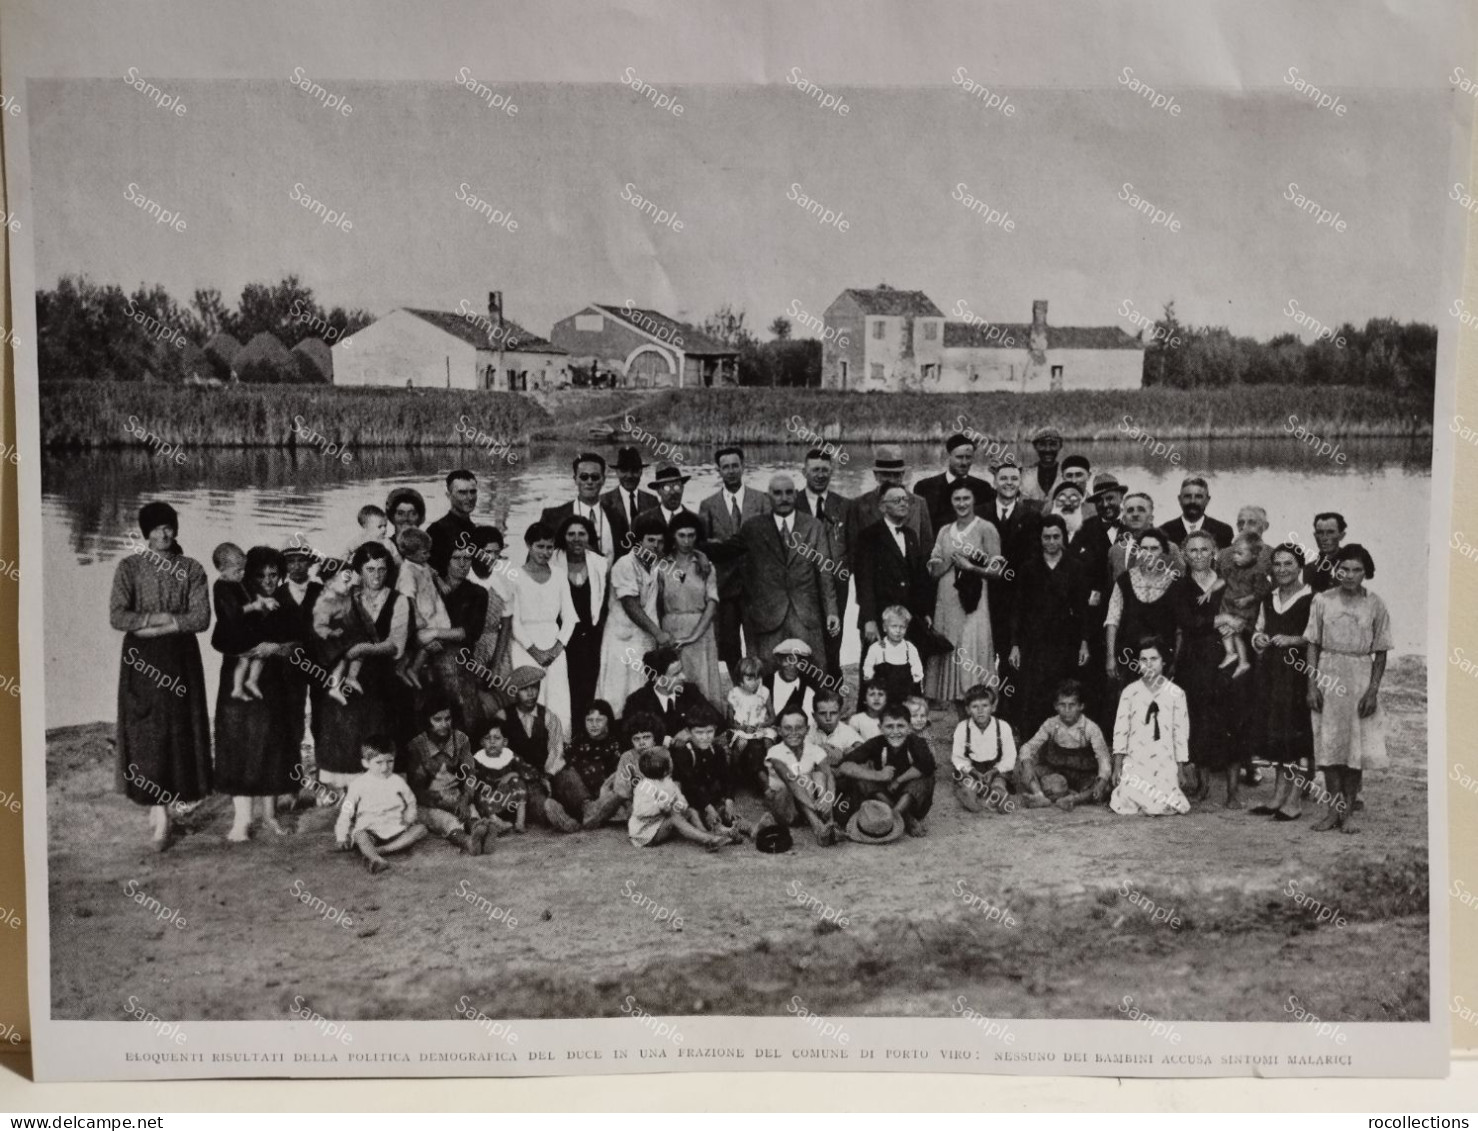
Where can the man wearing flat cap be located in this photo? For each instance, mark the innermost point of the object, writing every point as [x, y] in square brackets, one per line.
[936, 490]
[1038, 480]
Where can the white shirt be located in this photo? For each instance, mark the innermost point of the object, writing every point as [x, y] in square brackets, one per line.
[783, 524]
[974, 748]
[897, 532]
[668, 515]
[597, 520]
[734, 504]
[1005, 510]
[811, 758]
[1193, 527]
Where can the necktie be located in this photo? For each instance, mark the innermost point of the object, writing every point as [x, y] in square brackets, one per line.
[594, 517]
[734, 509]
[631, 504]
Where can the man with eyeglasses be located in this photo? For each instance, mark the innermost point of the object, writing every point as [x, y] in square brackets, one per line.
[590, 477]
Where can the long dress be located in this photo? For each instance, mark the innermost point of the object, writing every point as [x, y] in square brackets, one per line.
[974, 658]
[543, 615]
[682, 597]
[383, 708]
[625, 642]
[1281, 684]
[1050, 626]
[257, 740]
[1212, 695]
[1151, 731]
[583, 650]
[1347, 632]
[163, 737]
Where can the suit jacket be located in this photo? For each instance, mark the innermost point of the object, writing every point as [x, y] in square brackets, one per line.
[1175, 531]
[935, 492]
[684, 509]
[1020, 534]
[838, 534]
[722, 533]
[778, 579]
[865, 510]
[1090, 547]
[620, 522]
[886, 577]
[674, 719]
[553, 517]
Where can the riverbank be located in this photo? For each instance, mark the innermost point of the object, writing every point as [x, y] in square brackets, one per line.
[83, 415]
[578, 930]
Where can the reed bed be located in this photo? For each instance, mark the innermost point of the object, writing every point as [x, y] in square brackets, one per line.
[88, 414]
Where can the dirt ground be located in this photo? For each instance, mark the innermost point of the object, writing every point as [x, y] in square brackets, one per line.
[577, 926]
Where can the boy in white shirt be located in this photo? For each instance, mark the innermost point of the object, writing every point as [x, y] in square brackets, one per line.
[984, 755]
[378, 814]
[800, 782]
[828, 731]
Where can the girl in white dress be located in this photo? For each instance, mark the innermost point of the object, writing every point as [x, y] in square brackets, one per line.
[544, 619]
[1150, 739]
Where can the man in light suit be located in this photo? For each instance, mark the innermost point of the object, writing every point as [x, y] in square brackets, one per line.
[787, 590]
[823, 504]
[893, 569]
[724, 513]
[625, 502]
[590, 477]
[936, 490]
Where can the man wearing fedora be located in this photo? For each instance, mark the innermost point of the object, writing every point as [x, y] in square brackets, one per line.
[936, 489]
[787, 585]
[589, 470]
[830, 509]
[627, 500]
[1107, 498]
[895, 769]
[669, 482]
[888, 470]
[723, 513]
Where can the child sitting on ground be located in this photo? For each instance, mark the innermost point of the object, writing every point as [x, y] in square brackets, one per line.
[417, 581]
[435, 756]
[497, 789]
[828, 731]
[893, 660]
[239, 620]
[379, 810]
[701, 769]
[1243, 584]
[338, 625]
[373, 527]
[643, 732]
[870, 701]
[658, 808]
[800, 783]
[751, 722]
[1068, 746]
[984, 754]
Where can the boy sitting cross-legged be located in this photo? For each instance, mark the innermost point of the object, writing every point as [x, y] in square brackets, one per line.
[438, 759]
[701, 769]
[643, 732]
[378, 814]
[984, 754]
[896, 767]
[658, 808]
[1069, 748]
[800, 783]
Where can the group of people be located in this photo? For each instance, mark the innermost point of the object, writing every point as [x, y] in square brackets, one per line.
[650, 662]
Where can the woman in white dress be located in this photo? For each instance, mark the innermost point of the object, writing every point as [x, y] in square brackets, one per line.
[634, 625]
[967, 551]
[1151, 739]
[544, 619]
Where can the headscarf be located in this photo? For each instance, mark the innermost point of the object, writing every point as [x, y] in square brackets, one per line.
[158, 514]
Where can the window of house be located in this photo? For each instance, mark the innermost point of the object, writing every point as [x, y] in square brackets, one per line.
[877, 371]
[844, 374]
[929, 372]
[1057, 377]
[931, 331]
[878, 329]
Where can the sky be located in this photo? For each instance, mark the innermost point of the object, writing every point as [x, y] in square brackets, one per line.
[725, 167]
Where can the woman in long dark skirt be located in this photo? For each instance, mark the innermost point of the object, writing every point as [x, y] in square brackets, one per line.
[257, 739]
[1284, 729]
[383, 707]
[467, 607]
[585, 572]
[1049, 625]
[1139, 607]
[1211, 694]
[160, 601]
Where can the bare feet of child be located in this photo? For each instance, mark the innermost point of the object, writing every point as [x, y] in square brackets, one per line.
[336, 693]
[1037, 801]
[376, 864]
[1066, 804]
[1243, 667]
[714, 843]
[252, 690]
[1329, 822]
[1228, 662]
[272, 826]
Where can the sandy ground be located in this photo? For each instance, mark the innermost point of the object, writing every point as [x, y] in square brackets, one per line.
[587, 933]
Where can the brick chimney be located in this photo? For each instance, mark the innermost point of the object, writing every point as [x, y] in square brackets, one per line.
[1038, 340]
[495, 309]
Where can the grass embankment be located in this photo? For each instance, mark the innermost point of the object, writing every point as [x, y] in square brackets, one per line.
[779, 415]
[112, 414]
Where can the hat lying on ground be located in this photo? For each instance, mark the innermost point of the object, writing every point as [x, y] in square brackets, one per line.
[773, 838]
[874, 823]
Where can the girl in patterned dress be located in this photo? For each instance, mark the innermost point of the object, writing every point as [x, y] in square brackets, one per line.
[1150, 739]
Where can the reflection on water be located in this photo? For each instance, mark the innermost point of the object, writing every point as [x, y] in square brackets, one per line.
[91, 500]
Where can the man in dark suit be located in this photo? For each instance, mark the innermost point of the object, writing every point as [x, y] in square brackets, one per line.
[1194, 496]
[625, 502]
[1018, 522]
[667, 695]
[590, 477]
[888, 469]
[724, 513]
[893, 569]
[787, 579]
[936, 490]
[446, 531]
[669, 482]
[822, 503]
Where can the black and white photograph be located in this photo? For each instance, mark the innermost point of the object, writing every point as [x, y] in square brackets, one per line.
[759, 561]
